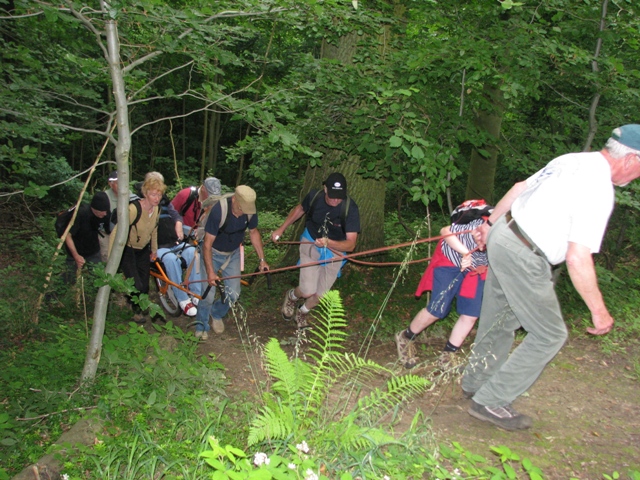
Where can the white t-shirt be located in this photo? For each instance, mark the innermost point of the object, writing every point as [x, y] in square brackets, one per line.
[569, 200]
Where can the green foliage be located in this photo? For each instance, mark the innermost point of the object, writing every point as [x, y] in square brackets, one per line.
[315, 399]
[232, 463]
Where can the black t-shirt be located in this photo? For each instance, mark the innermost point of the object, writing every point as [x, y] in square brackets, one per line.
[233, 234]
[84, 231]
[326, 220]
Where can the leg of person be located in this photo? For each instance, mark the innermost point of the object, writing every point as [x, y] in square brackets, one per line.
[315, 282]
[195, 272]
[460, 331]
[405, 339]
[129, 268]
[495, 333]
[69, 273]
[450, 360]
[306, 282]
[528, 288]
[204, 306]
[231, 287]
[446, 284]
[143, 266]
[468, 305]
[534, 302]
[173, 269]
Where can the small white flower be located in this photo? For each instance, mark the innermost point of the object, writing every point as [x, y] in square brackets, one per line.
[386, 477]
[310, 475]
[292, 466]
[303, 447]
[65, 476]
[456, 471]
[261, 459]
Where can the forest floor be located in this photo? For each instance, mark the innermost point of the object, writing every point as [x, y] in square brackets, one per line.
[585, 405]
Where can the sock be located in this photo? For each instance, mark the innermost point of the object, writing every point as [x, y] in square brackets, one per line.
[409, 334]
[292, 295]
[450, 347]
[304, 309]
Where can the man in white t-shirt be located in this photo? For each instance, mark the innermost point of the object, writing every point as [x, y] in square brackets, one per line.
[558, 214]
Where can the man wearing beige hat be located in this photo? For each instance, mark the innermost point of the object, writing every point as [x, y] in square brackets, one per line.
[224, 233]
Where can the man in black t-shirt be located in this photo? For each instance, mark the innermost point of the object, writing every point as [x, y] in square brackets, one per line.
[332, 223]
[82, 242]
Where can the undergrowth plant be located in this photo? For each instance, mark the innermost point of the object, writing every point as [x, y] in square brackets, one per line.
[320, 398]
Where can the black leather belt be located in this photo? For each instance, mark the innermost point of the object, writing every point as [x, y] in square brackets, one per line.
[513, 226]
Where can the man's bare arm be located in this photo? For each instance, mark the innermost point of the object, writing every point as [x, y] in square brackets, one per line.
[583, 276]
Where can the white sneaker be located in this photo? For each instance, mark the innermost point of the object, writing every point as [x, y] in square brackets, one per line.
[195, 301]
[188, 308]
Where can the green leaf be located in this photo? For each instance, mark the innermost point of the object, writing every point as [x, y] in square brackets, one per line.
[417, 152]
[34, 190]
[395, 142]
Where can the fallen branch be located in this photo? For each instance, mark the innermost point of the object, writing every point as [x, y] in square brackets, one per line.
[40, 417]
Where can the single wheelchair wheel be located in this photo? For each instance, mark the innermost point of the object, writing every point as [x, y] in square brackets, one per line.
[168, 299]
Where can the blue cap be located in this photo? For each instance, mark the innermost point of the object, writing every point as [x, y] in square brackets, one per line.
[628, 135]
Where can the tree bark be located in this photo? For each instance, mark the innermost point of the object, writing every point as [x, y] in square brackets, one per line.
[122, 148]
[368, 193]
[593, 123]
[203, 158]
[482, 168]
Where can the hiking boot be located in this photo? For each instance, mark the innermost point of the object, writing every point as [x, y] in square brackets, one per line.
[504, 417]
[467, 395]
[288, 306]
[450, 362]
[406, 350]
[188, 308]
[217, 325]
[199, 333]
[301, 320]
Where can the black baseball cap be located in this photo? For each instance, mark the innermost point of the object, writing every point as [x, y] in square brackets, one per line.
[336, 186]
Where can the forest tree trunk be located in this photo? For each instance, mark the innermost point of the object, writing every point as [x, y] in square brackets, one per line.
[368, 193]
[123, 146]
[482, 168]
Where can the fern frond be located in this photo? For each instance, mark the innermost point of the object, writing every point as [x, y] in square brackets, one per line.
[290, 376]
[328, 337]
[356, 437]
[399, 389]
[271, 424]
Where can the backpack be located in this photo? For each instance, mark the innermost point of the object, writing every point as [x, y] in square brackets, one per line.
[62, 220]
[166, 226]
[344, 211]
[193, 194]
[207, 205]
[135, 199]
[469, 211]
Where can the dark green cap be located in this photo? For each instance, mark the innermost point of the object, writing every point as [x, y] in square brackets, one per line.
[628, 135]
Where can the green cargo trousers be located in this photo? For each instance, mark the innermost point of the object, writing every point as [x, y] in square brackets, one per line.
[519, 292]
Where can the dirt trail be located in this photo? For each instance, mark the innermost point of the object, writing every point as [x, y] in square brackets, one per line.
[586, 405]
